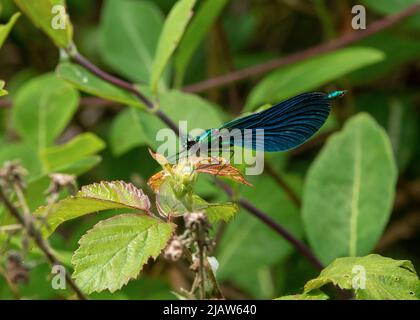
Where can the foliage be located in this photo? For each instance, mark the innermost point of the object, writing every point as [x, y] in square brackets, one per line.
[377, 278]
[359, 160]
[66, 122]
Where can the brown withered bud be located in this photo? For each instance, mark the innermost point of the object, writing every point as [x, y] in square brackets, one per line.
[174, 250]
[194, 219]
[12, 172]
[15, 269]
[59, 181]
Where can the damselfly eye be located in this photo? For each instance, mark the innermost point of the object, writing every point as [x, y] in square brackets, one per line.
[190, 143]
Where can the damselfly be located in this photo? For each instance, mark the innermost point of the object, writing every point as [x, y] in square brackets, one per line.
[281, 127]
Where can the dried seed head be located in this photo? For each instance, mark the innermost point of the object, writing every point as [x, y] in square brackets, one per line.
[16, 271]
[60, 181]
[12, 172]
[195, 218]
[174, 250]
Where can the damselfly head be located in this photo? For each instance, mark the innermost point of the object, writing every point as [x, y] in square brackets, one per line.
[190, 143]
[337, 94]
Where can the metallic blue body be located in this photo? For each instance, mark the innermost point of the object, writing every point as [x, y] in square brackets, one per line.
[282, 127]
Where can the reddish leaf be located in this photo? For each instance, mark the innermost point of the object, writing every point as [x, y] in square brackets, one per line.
[156, 181]
[220, 167]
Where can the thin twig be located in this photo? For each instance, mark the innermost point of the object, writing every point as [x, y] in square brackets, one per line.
[81, 60]
[85, 101]
[291, 194]
[10, 228]
[84, 62]
[12, 287]
[299, 245]
[343, 41]
[40, 241]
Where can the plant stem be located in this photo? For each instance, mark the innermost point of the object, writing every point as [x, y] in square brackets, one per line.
[216, 289]
[10, 228]
[299, 245]
[338, 43]
[43, 244]
[201, 269]
[84, 62]
[12, 286]
[291, 194]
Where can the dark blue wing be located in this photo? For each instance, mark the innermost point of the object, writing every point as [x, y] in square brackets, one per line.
[285, 125]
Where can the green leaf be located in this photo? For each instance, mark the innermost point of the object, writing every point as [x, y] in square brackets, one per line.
[395, 113]
[6, 28]
[61, 158]
[2, 91]
[349, 191]
[91, 84]
[240, 249]
[169, 204]
[312, 295]
[130, 32]
[80, 166]
[388, 43]
[115, 251]
[172, 32]
[310, 74]
[127, 132]
[388, 7]
[200, 25]
[385, 278]
[44, 15]
[43, 108]
[94, 198]
[179, 106]
[25, 153]
[221, 211]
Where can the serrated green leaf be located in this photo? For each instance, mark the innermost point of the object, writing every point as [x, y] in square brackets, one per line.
[215, 211]
[45, 14]
[6, 28]
[310, 74]
[89, 83]
[71, 154]
[93, 198]
[130, 32]
[171, 35]
[43, 108]
[349, 191]
[115, 251]
[127, 132]
[169, 204]
[200, 25]
[372, 278]
[312, 295]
